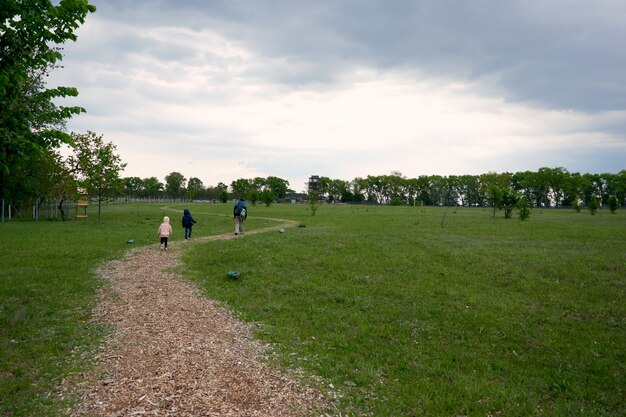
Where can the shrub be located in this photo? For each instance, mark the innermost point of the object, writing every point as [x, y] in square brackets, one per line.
[523, 205]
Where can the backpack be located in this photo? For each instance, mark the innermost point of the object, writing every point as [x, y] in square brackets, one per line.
[243, 213]
[238, 209]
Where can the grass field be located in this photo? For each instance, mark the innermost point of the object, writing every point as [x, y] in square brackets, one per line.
[403, 316]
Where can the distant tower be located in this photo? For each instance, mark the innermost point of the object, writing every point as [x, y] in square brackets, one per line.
[315, 185]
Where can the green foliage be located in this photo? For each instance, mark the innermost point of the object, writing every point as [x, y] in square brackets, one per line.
[267, 197]
[175, 184]
[97, 166]
[254, 196]
[314, 202]
[593, 203]
[523, 205]
[278, 186]
[508, 201]
[194, 186]
[240, 187]
[613, 203]
[30, 122]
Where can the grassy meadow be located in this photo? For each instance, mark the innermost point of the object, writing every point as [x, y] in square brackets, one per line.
[402, 314]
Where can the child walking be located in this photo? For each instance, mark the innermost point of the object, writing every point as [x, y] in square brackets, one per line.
[188, 222]
[164, 232]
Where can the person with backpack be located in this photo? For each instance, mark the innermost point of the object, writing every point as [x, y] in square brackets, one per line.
[188, 222]
[240, 214]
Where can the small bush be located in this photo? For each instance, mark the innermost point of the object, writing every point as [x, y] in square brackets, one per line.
[613, 203]
[523, 205]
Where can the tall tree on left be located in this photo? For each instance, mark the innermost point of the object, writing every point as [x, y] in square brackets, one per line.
[31, 124]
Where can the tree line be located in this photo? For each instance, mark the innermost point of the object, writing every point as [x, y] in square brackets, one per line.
[546, 187]
[176, 186]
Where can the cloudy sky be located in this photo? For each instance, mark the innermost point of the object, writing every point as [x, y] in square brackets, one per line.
[227, 89]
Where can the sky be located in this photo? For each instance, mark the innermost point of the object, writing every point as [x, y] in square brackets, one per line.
[228, 89]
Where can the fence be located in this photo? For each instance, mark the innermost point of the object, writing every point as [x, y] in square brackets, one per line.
[40, 210]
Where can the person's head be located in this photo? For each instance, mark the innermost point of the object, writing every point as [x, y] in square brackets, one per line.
[241, 199]
[186, 211]
[166, 219]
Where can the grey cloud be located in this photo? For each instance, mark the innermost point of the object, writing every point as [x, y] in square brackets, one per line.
[552, 53]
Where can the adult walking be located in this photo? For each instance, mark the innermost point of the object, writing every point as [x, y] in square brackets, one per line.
[240, 214]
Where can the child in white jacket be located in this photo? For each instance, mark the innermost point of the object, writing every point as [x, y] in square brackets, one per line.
[164, 232]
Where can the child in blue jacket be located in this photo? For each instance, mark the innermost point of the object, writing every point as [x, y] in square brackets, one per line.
[188, 222]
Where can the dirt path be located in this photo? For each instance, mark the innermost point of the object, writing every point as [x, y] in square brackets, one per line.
[173, 352]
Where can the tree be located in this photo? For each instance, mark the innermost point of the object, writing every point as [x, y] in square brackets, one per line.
[241, 187]
[278, 186]
[175, 184]
[523, 205]
[593, 204]
[254, 196]
[194, 186]
[224, 196]
[133, 186]
[267, 197]
[152, 187]
[315, 201]
[30, 121]
[97, 166]
[613, 203]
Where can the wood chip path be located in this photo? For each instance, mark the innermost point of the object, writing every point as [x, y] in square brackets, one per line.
[174, 352]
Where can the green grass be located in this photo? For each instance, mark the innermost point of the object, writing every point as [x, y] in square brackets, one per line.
[408, 318]
[404, 317]
[47, 291]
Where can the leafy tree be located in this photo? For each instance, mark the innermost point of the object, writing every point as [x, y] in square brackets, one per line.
[194, 186]
[152, 187]
[508, 201]
[593, 204]
[30, 122]
[358, 187]
[241, 187]
[613, 203]
[493, 186]
[267, 197]
[133, 186]
[254, 196]
[315, 200]
[97, 165]
[278, 186]
[523, 205]
[175, 184]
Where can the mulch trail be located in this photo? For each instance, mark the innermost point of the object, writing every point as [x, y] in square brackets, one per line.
[174, 352]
